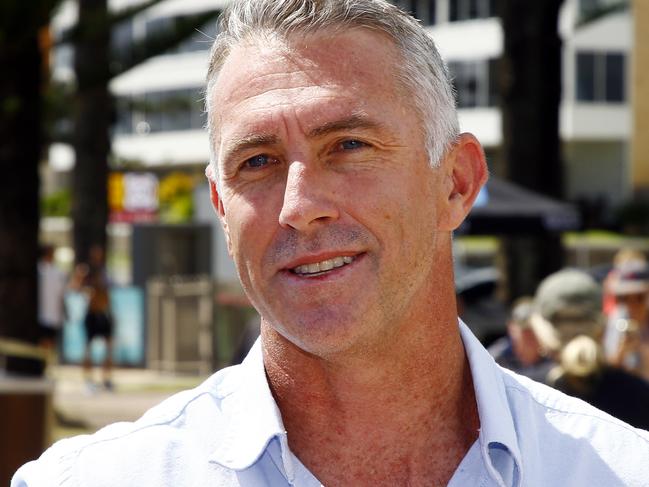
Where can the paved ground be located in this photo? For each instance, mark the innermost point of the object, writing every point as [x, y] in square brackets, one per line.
[78, 410]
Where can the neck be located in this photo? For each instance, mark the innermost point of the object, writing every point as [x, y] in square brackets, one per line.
[380, 418]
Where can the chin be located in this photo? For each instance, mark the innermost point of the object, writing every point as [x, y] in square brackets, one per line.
[321, 333]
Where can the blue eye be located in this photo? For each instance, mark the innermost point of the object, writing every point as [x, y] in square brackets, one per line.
[258, 161]
[352, 144]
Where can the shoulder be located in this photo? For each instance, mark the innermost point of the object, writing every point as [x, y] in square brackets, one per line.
[571, 436]
[185, 426]
[528, 396]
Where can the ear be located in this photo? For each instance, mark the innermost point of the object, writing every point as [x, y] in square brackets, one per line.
[217, 204]
[466, 172]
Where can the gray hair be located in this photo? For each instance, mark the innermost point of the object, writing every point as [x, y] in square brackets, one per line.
[423, 72]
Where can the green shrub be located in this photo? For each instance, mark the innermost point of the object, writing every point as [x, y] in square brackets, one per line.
[58, 203]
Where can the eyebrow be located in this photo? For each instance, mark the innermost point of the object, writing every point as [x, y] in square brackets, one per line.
[248, 142]
[252, 141]
[352, 122]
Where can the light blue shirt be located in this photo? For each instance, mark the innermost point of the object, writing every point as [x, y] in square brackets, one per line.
[229, 432]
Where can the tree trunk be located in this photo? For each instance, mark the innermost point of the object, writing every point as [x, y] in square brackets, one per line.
[530, 87]
[20, 152]
[93, 110]
[531, 94]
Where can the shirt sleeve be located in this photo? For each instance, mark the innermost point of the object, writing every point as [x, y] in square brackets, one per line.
[34, 474]
[53, 468]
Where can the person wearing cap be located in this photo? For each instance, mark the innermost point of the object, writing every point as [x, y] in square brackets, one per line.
[339, 175]
[568, 322]
[627, 333]
[520, 351]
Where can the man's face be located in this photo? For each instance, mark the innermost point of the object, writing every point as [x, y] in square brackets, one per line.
[328, 201]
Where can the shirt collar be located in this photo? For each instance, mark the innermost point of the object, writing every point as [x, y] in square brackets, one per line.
[498, 441]
[251, 418]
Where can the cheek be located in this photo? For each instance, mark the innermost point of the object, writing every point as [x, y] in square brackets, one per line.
[246, 223]
[398, 211]
[372, 202]
[419, 207]
[253, 223]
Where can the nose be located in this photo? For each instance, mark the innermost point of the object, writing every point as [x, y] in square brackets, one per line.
[307, 200]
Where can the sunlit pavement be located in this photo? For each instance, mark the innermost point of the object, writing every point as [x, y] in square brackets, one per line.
[79, 409]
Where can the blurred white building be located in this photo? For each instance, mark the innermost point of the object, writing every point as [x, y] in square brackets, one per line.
[595, 112]
[160, 117]
[595, 115]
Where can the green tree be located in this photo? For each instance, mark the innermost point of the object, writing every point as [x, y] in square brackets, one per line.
[530, 88]
[92, 118]
[95, 65]
[22, 32]
[23, 117]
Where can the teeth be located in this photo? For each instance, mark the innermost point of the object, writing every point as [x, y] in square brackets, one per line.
[325, 265]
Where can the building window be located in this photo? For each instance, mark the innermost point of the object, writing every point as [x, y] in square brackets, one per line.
[471, 9]
[493, 90]
[424, 10]
[600, 77]
[614, 77]
[63, 56]
[121, 36]
[588, 8]
[430, 16]
[466, 79]
[475, 83]
[123, 116]
[161, 111]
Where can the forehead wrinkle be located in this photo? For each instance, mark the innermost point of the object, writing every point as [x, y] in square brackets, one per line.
[285, 84]
[279, 61]
[284, 100]
[263, 119]
[305, 74]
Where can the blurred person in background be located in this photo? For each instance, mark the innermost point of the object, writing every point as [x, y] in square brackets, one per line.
[477, 303]
[569, 323]
[618, 325]
[520, 350]
[627, 334]
[52, 283]
[92, 280]
[625, 258]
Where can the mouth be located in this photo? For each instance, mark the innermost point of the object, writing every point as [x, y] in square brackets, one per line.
[320, 268]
